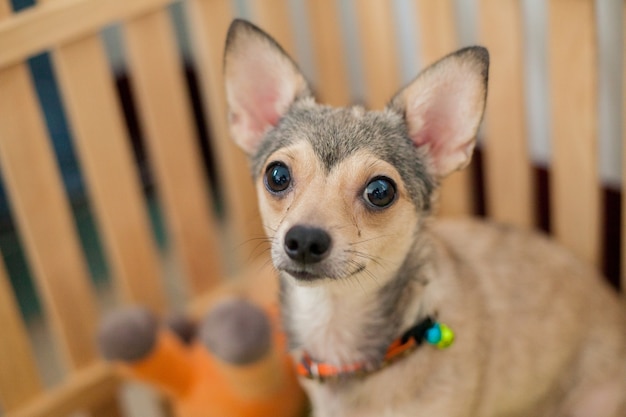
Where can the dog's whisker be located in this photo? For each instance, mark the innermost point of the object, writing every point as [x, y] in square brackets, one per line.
[358, 242]
[364, 255]
[371, 274]
[265, 242]
[251, 239]
[260, 242]
[268, 227]
[265, 264]
[262, 253]
[375, 259]
[339, 227]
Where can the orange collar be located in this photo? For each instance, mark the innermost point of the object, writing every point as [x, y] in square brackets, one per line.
[426, 330]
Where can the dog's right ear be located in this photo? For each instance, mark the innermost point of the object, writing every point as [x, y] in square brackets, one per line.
[443, 108]
[261, 83]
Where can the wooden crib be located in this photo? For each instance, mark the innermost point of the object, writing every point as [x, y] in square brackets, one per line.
[210, 245]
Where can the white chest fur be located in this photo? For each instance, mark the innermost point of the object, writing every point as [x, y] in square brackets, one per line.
[329, 322]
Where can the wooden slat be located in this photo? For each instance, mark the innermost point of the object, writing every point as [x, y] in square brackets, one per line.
[623, 260]
[438, 32]
[576, 215]
[273, 17]
[92, 385]
[507, 166]
[44, 218]
[19, 380]
[75, 61]
[330, 56]
[439, 37]
[107, 162]
[54, 23]
[166, 116]
[209, 23]
[376, 28]
[5, 10]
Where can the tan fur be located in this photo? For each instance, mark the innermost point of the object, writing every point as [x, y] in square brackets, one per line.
[489, 282]
[538, 332]
[334, 201]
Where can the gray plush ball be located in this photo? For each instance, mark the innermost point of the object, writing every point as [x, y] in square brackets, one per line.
[127, 334]
[236, 331]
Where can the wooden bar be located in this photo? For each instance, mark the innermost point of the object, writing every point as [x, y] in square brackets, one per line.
[438, 31]
[106, 158]
[508, 173]
[45, 222]
[576, 215]
[273, 17]
[439, 37]
[56, 22]
[623, 260]
[5, 10]
[94, 384]
[209, 22]
[44, 218]
[166, 116]
[330, 56]
[376, 28]
[19, 379]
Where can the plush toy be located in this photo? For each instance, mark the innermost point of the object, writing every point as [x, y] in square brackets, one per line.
[234, 363]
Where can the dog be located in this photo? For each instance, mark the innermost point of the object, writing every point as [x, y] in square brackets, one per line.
[388, 311]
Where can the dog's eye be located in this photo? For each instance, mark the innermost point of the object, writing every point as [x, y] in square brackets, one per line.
[277, 177]
[380, 192]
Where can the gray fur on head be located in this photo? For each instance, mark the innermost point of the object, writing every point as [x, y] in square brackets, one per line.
[127, 334]
[236, 331]
[336, 133]
[426, 132]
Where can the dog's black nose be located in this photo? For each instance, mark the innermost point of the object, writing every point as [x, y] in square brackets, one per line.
[307, 244]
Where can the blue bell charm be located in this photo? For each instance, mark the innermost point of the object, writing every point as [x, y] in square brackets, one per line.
[440, 335]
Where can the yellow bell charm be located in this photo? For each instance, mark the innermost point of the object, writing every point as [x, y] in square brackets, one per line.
[440, 335]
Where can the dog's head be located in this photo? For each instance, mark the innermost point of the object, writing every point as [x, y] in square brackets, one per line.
[342, 190]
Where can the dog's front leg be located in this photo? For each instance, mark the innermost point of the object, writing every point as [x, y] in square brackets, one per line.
[329, 401]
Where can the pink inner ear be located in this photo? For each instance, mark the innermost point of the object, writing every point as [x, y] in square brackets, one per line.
[436, 128]
[258, 105]
[261, 84]
[264, 93]
[442, 120]
[263, 109]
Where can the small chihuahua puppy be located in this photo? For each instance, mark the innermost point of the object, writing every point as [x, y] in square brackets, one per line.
[388, 311]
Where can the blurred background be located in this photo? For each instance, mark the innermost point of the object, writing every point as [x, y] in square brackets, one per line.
[406, 47]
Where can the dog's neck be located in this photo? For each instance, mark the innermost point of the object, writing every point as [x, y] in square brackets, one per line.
[351, 322]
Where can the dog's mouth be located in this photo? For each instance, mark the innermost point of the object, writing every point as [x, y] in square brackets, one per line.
[305, 275]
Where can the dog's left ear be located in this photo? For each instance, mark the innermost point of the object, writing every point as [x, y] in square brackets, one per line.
[443, 108]
[261, 83]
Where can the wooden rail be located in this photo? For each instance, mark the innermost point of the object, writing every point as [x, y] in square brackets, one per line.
[53, 23]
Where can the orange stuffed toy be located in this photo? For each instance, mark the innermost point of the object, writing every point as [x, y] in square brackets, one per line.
[234, 364]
